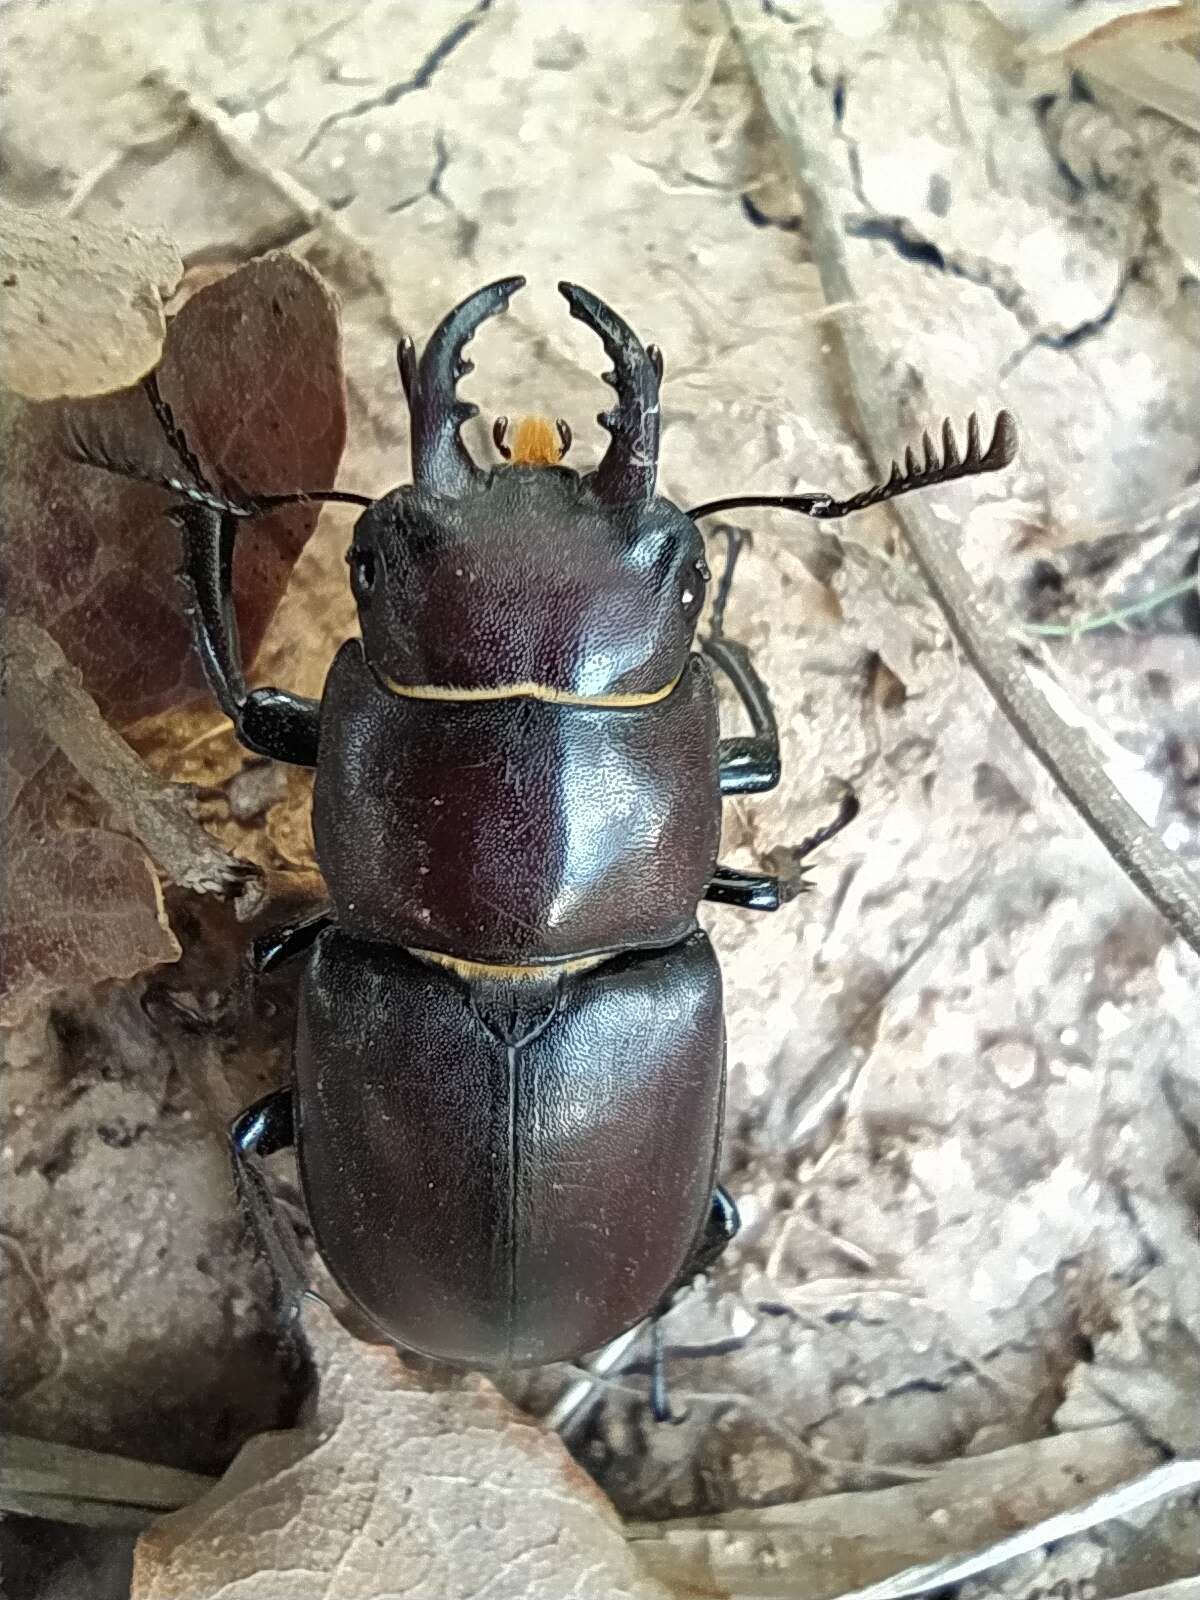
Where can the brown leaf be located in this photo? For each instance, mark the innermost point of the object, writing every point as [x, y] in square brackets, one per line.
[79, 907]
[252, 369]
[83, 303]
[406, 1483]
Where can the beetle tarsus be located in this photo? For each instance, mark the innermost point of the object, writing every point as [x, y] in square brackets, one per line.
[660, 1399]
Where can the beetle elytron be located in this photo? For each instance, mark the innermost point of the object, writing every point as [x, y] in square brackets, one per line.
[509, 1060]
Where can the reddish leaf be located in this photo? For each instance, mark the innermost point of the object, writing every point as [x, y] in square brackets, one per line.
[252, 369]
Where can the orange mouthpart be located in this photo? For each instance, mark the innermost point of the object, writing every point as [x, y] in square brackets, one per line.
[535, 441]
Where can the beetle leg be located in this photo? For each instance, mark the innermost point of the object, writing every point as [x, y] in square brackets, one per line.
[289, 940]
[751, 891]
[260, 1131]
[760, 891]
[270, 722]
[747, 765]
[720, 1229]
[660, 1400]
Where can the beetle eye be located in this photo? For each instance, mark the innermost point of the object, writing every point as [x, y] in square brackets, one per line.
[362, 571]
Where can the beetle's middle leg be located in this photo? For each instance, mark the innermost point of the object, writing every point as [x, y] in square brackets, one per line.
[747, 765]
[761, 891]
[287, 941]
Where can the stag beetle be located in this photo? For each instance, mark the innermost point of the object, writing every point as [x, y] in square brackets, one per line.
[509, 1061]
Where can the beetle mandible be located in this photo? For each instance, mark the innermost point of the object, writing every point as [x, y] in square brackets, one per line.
[509, 1061]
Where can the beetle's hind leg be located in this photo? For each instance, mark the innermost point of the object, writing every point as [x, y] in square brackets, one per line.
[720, 1229]
[261, 1130]
[747, 765]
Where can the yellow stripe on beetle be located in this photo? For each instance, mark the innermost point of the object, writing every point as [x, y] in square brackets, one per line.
[487, 969]
[527, 691]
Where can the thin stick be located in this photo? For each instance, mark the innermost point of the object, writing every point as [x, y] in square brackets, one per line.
[45, 688]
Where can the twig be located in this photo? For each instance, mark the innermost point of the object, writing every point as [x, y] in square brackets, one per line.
[66, 1484]
[310, 211]
[573, 1405]
[877, 1544]
[42, 684]
[804, 121]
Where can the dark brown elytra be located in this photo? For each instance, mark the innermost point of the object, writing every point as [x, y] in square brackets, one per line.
[508, 1074]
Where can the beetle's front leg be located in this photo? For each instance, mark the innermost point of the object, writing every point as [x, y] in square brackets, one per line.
[289, 940]
[270, 722]
[747, 765]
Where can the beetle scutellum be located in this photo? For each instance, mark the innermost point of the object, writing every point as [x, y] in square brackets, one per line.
[508, 1070]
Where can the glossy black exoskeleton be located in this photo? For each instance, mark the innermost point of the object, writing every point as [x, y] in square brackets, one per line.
[509, 1059]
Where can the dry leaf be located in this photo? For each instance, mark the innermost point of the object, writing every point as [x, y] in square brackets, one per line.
[80, 907]
[404, 1485]
[83, 303]
[252, 369]
[81, 902]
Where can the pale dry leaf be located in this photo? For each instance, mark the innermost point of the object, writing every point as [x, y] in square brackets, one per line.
[76, 907]
[1053, 26]
[405, 1485]
[83, 303]
[79, 907]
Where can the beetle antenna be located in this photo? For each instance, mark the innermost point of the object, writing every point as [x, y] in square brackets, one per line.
[199, 490]
[172, 432]
[441, 462]
[630, 465]
[914, 474]
[89, 454]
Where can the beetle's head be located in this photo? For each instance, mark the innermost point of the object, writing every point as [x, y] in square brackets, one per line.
[527, 575]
